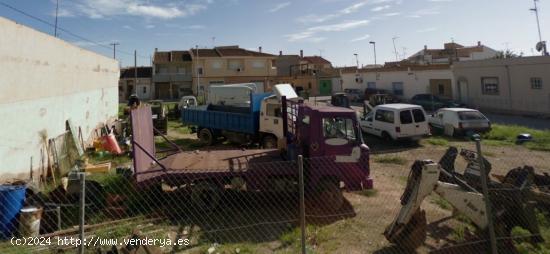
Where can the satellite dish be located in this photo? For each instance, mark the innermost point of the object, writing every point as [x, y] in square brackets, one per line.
[541, 45]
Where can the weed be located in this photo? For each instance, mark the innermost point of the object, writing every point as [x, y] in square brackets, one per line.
[441, 202]
[391, 160]
[368, 193]
[459, 233]
[437, 141]
[508, 133]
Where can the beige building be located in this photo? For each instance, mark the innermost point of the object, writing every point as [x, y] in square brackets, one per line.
[514, 85]
[231, 64]
[136, 81]
[172, 74]
[452, 52]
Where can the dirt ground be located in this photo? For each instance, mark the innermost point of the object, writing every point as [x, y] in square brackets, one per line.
[373, 211]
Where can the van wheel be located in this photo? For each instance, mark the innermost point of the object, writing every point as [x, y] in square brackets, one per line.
[386, 136]
[269, 142]
[206, 136]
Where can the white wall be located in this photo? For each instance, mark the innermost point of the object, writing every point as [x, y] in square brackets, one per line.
[414, 82]
[45, 81]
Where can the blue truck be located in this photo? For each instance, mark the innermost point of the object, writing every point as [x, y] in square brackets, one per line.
[259, 122]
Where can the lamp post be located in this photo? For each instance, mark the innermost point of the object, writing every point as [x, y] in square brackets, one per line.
[374, 45]
[357, 60]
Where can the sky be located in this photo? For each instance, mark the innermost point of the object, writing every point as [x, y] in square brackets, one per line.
[334, 29]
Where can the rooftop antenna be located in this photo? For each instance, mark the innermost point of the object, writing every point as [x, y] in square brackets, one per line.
[395, 48]
[541, 46]
[56, 14]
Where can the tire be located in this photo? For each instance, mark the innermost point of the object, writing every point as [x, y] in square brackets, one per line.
[206, 136]
[206, 196]
[329, 196]
[386, 136]
[269, 142]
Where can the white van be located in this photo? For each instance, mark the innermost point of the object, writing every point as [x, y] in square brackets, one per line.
[396, 121]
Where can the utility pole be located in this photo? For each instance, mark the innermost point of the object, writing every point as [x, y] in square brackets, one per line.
[395, 48]
[135, 71]
[198, 72]
[374, 44]
[114, 44]
[56, 13]
[357, 60]
[536, 10]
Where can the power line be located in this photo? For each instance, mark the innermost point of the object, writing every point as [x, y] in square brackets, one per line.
[64, 30]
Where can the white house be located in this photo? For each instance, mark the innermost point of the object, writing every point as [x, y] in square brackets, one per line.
[452, 52]
[404, 81]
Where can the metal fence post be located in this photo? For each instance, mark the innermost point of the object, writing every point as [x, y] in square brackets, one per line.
[302, 203]
[82, 178]
[485, 190]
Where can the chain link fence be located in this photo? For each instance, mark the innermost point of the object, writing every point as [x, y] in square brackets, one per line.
[415, 206]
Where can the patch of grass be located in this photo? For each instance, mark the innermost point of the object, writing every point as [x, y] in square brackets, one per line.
[102, 157]
[489, 154]
[459, 232]
[442, 203]
[437, 141]
[368, 193]
[115, 232]
[508, 133]
[489, 142]
[178, 127]
[185, 144]
[391, 160]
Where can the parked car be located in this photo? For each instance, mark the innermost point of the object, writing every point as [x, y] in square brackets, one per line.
[354, 94]
[459, 121]
[379, 96]
[432, 102]
[396, 121]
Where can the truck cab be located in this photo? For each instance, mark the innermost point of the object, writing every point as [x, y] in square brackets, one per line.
[332, 133]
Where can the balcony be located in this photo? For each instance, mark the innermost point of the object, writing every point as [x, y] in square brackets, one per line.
[172, 77]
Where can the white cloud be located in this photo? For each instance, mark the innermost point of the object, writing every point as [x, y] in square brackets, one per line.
[310, 33]
[186, 27]
[392, 14]
[426, 30]
[314, 18]
[143, 8]
[424, 12]
[362, 38]
[280, 6]
[440, 1]
[149, 26]
[128, 27]
[380, 8]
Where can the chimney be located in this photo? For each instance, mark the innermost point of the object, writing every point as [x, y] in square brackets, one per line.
[425, 47]
[260, 49]
[156, 49]
[301, 53]
[280, 52]
[479, 43]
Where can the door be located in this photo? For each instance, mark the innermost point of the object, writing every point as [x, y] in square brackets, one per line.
[441, 87]
[270, 118]
[420, 122]
[367, 124]
[325, 87]
[406, 127]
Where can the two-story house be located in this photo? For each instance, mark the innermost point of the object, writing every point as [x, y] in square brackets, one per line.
[231, 64]
[452, 52]
[135, 81]
[172, 74]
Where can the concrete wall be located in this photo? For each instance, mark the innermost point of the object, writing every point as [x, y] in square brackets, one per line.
[44, 81]
[515, 92]
[414, 82]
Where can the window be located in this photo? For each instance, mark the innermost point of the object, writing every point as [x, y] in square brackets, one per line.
[234, 65]
[397, 88]
[470, 115]
[384, 116]
[273, 110]
[258, 64]
[199, 70]
[489, 86]
[418, 115]
[181, 70]
[144, 90]
[336, 127]
[216, 64]
[536, 83]
[371, 85]
[405, 117]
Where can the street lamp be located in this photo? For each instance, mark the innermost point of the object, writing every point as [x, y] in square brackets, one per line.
[357, 60]
[374, 45]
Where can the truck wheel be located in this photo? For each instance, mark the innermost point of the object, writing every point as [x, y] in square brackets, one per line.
[269, 142]
[205, 196]
[206, 136]
[330, 196]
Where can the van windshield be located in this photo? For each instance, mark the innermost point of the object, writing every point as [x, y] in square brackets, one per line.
[470, 115]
